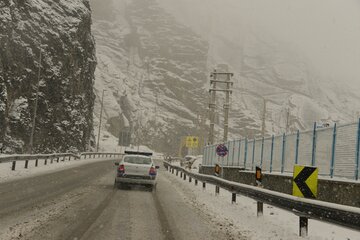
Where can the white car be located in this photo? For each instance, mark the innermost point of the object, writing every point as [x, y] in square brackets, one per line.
[136, 168]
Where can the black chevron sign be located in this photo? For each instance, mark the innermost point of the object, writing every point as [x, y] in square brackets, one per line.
[308, 189]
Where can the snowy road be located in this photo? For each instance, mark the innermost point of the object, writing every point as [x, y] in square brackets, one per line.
[81, 203]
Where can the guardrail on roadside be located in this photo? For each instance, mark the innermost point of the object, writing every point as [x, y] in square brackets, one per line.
[304, 208]
[51, 157]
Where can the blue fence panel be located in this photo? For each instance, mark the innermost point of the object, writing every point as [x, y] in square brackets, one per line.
[345, 151]
[267, 154]
[324, 150]
[305, 148]
[290, 152]
[277, 154]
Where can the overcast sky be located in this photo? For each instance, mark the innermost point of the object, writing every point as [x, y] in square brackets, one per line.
[326, 32]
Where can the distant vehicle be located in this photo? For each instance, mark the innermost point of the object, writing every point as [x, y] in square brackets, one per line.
[136, 168]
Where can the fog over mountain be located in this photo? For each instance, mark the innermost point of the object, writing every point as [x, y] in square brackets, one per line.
[325, 32]
[294, 63]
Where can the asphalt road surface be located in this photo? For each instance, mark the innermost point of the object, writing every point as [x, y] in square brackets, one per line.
[82, 203]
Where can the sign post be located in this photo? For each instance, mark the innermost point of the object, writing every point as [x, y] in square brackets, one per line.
[221, 151]
[258, 178]
[305, 181]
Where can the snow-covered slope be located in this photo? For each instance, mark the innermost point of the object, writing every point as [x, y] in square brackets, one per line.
[153, 70]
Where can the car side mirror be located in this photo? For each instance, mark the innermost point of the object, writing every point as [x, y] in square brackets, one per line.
[116, 164]
[157, 167]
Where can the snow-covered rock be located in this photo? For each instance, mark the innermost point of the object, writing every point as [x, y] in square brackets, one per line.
[61, 30]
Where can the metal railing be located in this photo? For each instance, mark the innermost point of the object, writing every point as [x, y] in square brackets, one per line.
[334, 150]
[56, 157]
[304, 208]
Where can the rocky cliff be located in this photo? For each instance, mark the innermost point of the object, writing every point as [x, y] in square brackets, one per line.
[59, 31]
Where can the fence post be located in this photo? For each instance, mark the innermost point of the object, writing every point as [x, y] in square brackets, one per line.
[262, 152]
[283, 153]
[297, 147]
[245, 152]
[36, 162]
[272, 152]
[227, 155]
[357, 153]
[239, 154]
[313, 161]
[332, 165]
[26, 163]
[253, 156]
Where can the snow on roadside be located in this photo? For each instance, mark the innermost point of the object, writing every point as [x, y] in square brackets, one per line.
[6, 174]
[241, 216]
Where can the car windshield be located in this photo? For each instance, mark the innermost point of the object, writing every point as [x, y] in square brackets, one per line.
[137, 160]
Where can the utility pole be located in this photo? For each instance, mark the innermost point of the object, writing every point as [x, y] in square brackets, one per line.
[227, 105]
[287, 120]
[212, 103]
[101, 110]
[216, 77]
[36, 104]
[263, 119]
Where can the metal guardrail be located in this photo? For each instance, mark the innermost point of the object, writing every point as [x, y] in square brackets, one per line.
[345, 216]
[52, 157]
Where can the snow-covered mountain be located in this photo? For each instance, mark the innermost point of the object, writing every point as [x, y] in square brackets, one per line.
[155, 57]
[153, 70]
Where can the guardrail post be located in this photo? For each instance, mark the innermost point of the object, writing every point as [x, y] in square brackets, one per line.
[181, 174]
[52, 160]
[233, 198]
[172, 171]
[26, 163]
[313, 160]
[283, 153]
[36, 162]
[297, 147]
[303, 226]
[184, 176]
[260, 209]
[84, 156]
[177, 172]
[13, 166]
[204, 185]
[63, 160]
[262, 152]
[217, 190]
[272, 152]
[190, 179]
[45, 161]
[196, 182]
[332, 165]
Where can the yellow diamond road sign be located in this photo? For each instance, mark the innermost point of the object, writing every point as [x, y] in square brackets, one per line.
[305, 181]
[192, 142]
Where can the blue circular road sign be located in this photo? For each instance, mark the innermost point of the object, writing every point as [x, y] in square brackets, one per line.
[221, 150]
